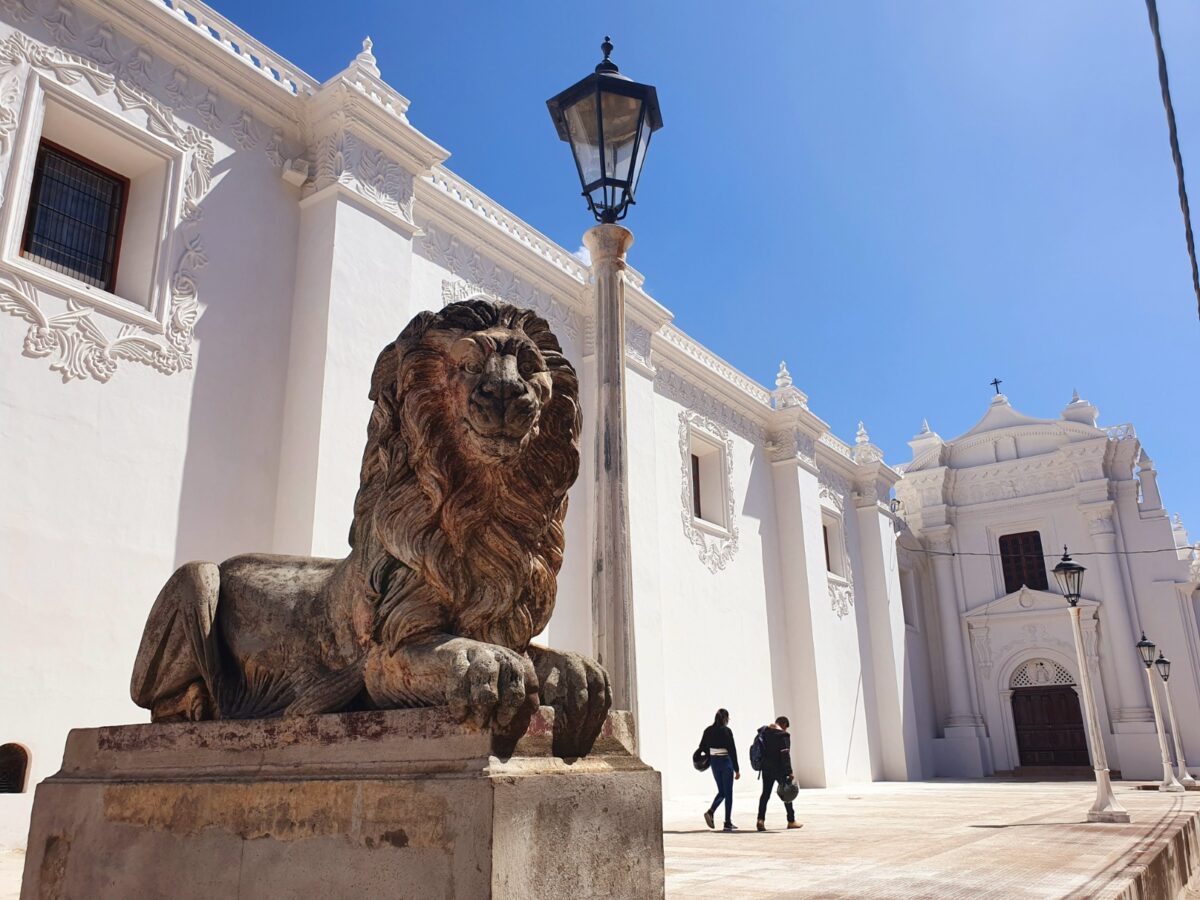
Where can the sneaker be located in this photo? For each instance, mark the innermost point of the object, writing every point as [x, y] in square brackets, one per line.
[794, 825]
[729, 826]
[708, 820]
[762, 826]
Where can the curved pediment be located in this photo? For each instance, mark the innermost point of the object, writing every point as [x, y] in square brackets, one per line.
[1026, 601]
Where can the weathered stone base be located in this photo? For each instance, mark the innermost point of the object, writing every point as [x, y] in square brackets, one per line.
[400, 804]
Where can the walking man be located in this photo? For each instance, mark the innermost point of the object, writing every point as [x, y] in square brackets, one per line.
[776, 767]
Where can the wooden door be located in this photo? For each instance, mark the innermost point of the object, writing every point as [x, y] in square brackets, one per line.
[1049, 726]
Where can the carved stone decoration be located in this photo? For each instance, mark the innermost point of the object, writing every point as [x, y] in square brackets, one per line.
[457, 541]
[343, 158]
[476, 274]
[792, 444]
[981, 648]
[716, 545]
[689, 394]
[637, 347]
[73, 337]
[834, 490]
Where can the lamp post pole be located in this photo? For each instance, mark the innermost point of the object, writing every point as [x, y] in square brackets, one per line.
[1106, 808]
[1164, 669]
[608, 120]
[612, 613]
[1169, 782]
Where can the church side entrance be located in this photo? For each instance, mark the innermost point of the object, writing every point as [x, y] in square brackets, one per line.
[1049, 726]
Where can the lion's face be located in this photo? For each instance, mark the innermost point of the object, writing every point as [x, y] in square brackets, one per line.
[498, 384]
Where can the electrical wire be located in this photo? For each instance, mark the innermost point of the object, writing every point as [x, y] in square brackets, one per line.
[1043, 555]
[1173, 134]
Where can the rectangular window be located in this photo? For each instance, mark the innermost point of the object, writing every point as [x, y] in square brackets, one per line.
[1023, 562]
[828, 558]
[76, 210]
[696, 487]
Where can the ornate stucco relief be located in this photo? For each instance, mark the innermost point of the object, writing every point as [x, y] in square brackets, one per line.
[65, 326]
[476, 274]
[693, 396]
[716, 546]
[833, 490]
[344, 158]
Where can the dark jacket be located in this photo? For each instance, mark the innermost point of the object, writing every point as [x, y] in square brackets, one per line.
[777, 751]
[720, 737]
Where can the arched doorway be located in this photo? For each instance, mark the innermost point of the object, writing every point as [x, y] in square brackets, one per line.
[14, 764]
[1046, 716]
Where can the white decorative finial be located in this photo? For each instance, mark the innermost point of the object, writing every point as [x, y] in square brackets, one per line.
[366, 59]
[1074, 395]
[924, 426]
[1178, 521]
[861, 436]
[784, 378]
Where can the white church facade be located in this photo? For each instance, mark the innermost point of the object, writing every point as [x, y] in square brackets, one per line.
[186, 378]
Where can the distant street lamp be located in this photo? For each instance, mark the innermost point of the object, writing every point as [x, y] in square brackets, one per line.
[1069, 575]
[1170, 782]
[1164, 670]
[608, 120]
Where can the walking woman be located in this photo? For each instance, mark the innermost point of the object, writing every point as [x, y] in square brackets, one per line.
[718, 741]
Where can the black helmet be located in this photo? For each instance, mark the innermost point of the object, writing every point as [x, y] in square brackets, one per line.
[787, 791]
[700, 759]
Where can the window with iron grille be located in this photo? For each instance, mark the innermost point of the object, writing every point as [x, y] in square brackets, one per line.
[76, 210]
[1023, 562]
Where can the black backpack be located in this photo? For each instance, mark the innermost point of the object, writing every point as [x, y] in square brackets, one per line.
[756, 750]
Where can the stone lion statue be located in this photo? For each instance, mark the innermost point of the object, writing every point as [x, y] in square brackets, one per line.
[456, 544]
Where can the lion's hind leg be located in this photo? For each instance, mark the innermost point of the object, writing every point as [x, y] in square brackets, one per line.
[176, 670]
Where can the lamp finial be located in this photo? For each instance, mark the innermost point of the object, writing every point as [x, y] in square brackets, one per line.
[606, 64]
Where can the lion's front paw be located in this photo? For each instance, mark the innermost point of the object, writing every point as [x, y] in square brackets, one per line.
[578, 689]
[491, 685]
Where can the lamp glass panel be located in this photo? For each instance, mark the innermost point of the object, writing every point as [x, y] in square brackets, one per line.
[584, 129]
[622, 116]
[643, 146]
[1164, 667]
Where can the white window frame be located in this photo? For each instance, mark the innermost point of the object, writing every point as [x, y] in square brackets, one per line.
[149, 310]
[716, 539]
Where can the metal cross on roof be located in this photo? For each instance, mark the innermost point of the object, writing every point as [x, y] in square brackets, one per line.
[996, 382]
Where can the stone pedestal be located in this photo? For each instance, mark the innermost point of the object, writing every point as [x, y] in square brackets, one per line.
[397, 804]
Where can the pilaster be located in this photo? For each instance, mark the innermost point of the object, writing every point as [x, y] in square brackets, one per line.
[884, 610]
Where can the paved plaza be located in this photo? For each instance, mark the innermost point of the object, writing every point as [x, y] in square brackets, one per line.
[981, 839]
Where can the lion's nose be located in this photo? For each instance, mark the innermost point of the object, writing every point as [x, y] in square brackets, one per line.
[502, 389]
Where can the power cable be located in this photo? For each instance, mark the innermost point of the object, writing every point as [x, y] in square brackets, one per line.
[1043, 555]
[1152, 10]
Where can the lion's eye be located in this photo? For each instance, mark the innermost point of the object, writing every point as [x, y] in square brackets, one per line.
[473, 366]
[528, 367]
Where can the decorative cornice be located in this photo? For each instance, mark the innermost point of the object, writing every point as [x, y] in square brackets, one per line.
[477, 274]
[342, 158]
[696, 397]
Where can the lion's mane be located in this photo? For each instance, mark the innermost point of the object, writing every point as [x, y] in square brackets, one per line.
[450, 545]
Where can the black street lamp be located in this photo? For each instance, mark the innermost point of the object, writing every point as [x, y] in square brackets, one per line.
[1163, 665]
[1146, 648]
[607, 118]
[1069, 575]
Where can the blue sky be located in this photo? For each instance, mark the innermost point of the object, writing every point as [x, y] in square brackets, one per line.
[901, 200]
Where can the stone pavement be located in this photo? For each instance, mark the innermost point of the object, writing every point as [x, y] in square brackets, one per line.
[959, 839]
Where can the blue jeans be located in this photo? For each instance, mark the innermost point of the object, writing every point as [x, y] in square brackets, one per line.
[722, 769]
